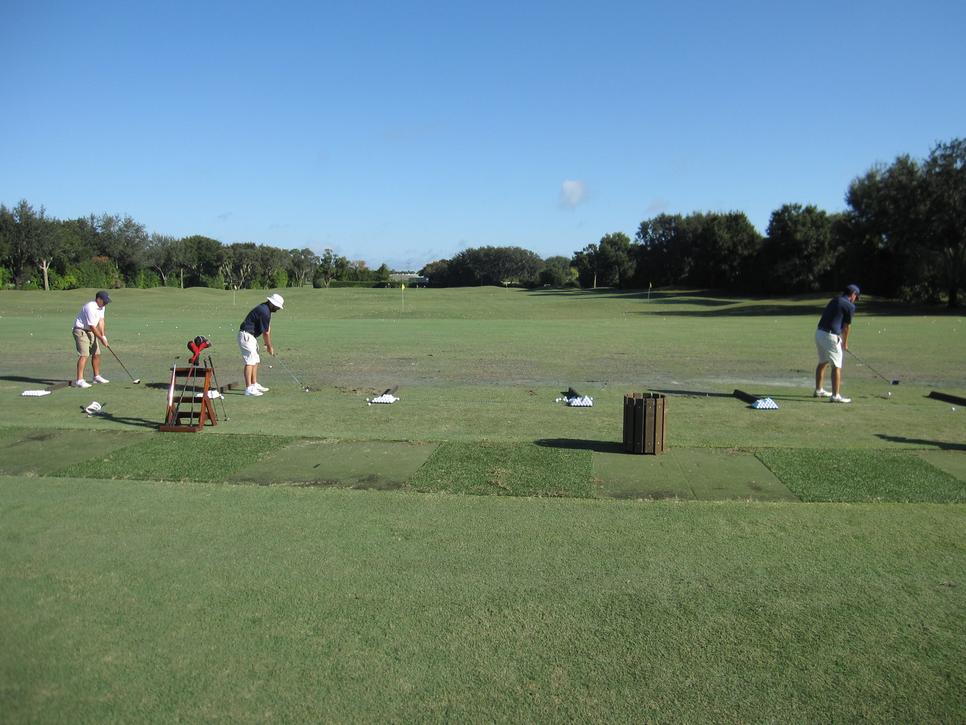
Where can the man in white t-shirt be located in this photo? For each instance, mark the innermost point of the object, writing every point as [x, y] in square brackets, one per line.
[88, 331]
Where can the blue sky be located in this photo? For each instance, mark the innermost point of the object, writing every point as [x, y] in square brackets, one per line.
[403, 132]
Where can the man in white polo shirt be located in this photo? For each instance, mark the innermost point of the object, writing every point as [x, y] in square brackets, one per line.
[88, 332]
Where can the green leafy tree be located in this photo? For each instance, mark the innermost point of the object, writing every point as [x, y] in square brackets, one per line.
[557, 272]
[616, 262]
[800, 250]
[239, 264]
[664, 250]
[271, 266]
[301, 264]
[945, 224]
[162, 256]
[123, 241]
[437, 272]
[202, 258]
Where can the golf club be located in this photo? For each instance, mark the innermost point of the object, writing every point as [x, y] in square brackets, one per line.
[134, 380]
[298, 382]
[224, 413]
[861, 361]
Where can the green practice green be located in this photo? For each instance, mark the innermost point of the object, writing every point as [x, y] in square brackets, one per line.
[478, 550]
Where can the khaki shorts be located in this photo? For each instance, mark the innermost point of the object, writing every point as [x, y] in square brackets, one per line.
[248, 345]
[85, 342]
[829, 346]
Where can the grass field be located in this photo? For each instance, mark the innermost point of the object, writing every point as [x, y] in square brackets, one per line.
[478, 551]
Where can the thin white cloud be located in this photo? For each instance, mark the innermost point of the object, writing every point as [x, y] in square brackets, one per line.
[658, 206]
[225, 217]
[572, 193]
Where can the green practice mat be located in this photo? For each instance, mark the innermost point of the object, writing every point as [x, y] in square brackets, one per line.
[39, 452]
[348, 464]
[706, 474]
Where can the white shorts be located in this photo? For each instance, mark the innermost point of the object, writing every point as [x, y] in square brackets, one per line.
[248, 344]
[829, 346]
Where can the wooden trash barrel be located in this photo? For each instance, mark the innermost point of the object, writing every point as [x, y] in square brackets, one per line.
[645, 423]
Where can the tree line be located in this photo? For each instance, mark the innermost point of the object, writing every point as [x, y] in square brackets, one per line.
[902, 235]
[113, 251]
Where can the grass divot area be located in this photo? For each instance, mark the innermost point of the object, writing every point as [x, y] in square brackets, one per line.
[178, 457]
[34, 452]
[506, 469]
[862, 475]
[709, 474]
[350, 464]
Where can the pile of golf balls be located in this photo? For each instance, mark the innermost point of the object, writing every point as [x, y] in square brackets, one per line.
[581, 401]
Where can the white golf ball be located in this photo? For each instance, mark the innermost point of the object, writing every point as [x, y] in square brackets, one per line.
[954, 408]
[889, 394]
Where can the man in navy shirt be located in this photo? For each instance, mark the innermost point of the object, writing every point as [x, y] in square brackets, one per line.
[256, 324]
[832, 340]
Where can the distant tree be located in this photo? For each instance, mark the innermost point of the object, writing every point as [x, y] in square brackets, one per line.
[800, 250]
[201, 258]
[714, 250]
[301, 264]
[909, 219]
[271, 266]
[664, 250]
[587, 262]
[6, 237]
[382, 274]
[33, 242]
[727, 245]
[328, 269]
[557, 272]
[239, 264]
[161, 255]
[123, 241]
[945, 225]
[437, 273]
[616, 261]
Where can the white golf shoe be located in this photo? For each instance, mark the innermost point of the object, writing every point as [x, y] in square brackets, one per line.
[261, 387]
[839, 399]
[252, 390]
[81, 383]
[822, 393]
[100, 379]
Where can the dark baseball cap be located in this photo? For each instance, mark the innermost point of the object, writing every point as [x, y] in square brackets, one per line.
[852, 289]
[102, 295]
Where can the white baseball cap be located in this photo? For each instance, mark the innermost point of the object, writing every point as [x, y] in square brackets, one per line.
[277, 300]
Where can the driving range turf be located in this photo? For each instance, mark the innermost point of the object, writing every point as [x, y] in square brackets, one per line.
[478, 551]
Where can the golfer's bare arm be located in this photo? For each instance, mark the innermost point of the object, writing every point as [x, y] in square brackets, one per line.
[845, 336]
[268, 341]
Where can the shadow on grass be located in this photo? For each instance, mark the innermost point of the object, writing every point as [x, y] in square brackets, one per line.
[35, 381]
[691, 393]
[725, 304]
[941, 445]
[579, 444]
[124, 420]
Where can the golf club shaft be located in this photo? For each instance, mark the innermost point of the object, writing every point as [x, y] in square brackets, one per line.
[289, 371]
[872, 369]
[122, 364]
[221, 395]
